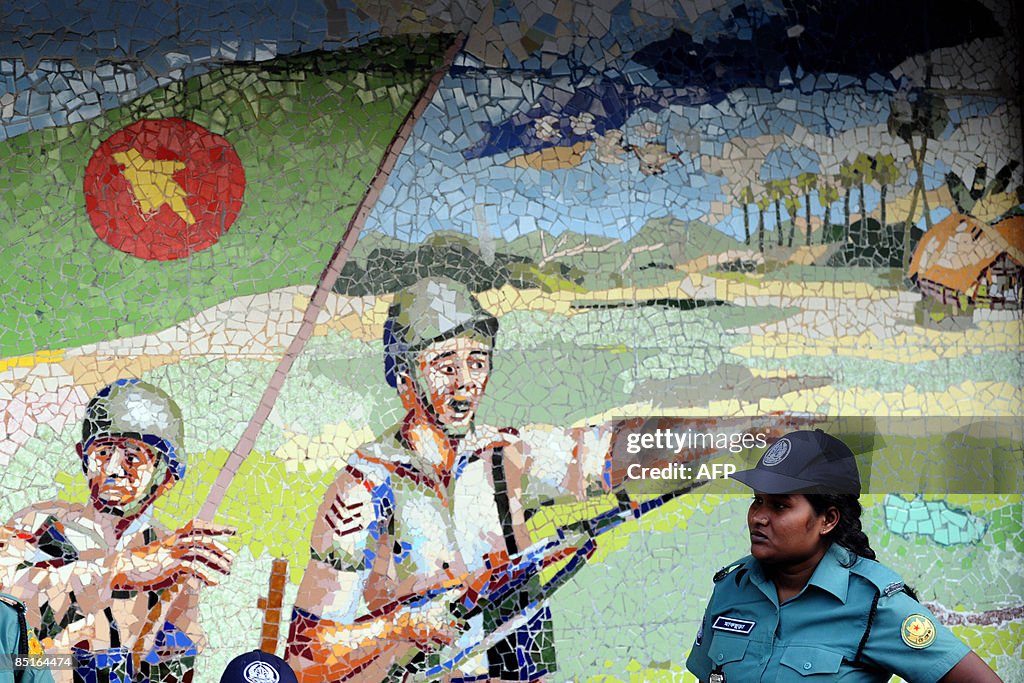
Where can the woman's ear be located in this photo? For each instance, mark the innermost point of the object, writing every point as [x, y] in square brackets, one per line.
[829, 520]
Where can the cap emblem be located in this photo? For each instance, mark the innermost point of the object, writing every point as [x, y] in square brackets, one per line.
[260, 672]
[777, 453]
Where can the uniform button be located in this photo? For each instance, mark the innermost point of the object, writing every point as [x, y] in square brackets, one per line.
[807, 665]
[720, 656]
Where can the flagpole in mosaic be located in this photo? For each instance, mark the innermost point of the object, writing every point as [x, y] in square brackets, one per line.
[327, 279]
[323, 287]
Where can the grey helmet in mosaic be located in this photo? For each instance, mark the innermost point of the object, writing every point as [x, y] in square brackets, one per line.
[136, 409]
[431, 310]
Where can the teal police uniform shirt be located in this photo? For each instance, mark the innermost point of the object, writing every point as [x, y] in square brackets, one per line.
[747, 636]
[14, 640]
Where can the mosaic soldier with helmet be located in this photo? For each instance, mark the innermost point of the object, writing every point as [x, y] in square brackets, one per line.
[91, 574]
[422, 506]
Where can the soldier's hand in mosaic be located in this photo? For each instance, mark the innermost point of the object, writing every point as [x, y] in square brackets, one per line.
[431, 624]
[196, 551]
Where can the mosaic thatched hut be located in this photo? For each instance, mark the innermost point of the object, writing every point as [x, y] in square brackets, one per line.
[964, 261]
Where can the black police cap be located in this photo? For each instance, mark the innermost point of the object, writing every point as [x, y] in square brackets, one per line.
[804, 462]
[258, 667]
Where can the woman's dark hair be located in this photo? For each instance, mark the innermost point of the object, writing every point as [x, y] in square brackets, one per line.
[847, 533]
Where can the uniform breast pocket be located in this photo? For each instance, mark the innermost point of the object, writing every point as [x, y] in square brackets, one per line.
[725, 649]
[813, 661]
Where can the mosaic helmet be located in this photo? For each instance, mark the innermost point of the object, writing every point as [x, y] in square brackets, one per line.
[138, 410]
[431, 310]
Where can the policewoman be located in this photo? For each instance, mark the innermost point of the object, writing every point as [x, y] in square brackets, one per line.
[810, 603]
[18, 641]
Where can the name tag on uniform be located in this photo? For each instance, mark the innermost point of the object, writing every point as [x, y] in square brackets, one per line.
[731, 625]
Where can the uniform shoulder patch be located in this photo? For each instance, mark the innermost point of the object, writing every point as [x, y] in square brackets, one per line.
[917, 631]
[35, 648]
[12, 601]
[885, 580]
[728, 569]
[892, 589]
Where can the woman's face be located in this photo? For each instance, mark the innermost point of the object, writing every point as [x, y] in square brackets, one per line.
[785, 529]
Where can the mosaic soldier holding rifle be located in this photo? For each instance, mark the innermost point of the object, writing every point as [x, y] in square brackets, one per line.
[416, 519]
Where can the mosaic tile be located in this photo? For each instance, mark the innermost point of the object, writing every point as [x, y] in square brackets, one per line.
[326, 324]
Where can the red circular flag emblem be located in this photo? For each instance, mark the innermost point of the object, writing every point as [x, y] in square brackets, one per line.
[163, 189]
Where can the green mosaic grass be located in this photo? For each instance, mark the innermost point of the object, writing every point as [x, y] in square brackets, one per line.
[887, 376]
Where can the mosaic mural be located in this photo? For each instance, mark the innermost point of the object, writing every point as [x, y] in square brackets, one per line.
[326, 321]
